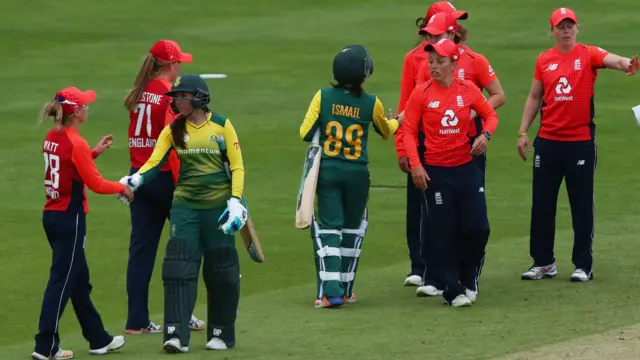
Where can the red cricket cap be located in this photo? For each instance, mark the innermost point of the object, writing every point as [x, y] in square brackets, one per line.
[169, 51]
[563, 13]
[445, 6]
[444, 47]
[440, 23]
[72, 99]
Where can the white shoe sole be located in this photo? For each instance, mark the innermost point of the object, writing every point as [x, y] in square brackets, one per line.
[172, 348]
[547, 275]
[461, 301]
[116, 343]
[413, 280]
[581, 277]
[216, 344]
[428, 291]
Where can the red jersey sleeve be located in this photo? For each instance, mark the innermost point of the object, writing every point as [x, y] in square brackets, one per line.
[411, 125]
[407, 82]
[596, 57]
[83, 161]
[484, 110]
[174, 162]
[484, 71]
[537, 73]
[399, 143]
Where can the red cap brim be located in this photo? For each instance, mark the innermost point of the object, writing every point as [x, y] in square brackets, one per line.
[432, 30]
[88, 97]
[557, 21]
[440, 51]
[185, 58]
[460, 15]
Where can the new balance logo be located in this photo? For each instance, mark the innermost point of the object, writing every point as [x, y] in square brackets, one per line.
[171, 329]
[481, 189]
[580, 162]
[552, 67]
[562, 89]
[217, 332]
[433, 104]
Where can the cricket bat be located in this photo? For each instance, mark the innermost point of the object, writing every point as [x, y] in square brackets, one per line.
[247, 232]
[308, 182]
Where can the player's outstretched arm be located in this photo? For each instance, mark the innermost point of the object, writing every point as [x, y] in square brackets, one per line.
[627, 65]
[383, 126]
[83, 160]
[310, 122]
[157, 159]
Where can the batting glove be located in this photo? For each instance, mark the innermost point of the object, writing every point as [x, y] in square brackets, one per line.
[236, 215]
[124, 181]
[133, 181]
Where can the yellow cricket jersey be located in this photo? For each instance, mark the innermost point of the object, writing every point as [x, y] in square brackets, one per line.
[203, 181]
[343, 120]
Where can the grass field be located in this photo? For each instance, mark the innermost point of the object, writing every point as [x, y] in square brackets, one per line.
[277, 54]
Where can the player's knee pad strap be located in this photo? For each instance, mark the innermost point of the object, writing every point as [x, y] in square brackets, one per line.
[221, 266]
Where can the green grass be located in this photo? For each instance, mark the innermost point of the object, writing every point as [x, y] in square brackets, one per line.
[277, 54]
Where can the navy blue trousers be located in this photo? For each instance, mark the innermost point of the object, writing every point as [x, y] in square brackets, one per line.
[458, 227]
[575, 162]
[149, 212]
[416, 225]
[68, 279]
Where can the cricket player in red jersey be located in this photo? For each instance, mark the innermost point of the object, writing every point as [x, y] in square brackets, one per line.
[454, 192]
[69, 166]
[563, 91]
[470, 66]
[149, 113]
[414, 223]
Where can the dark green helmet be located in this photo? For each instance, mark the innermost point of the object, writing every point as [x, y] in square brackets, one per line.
[352, 65]
[193, 84]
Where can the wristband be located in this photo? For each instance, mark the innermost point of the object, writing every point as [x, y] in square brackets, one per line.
[522, 134]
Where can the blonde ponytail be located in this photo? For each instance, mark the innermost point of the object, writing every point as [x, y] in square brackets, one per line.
[150, 69]
[52, 109]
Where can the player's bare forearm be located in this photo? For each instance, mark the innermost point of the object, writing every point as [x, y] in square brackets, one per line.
[497, 98]
[531, 107]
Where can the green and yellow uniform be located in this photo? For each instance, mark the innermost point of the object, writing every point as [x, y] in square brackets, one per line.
[343, 119]
[200, 198]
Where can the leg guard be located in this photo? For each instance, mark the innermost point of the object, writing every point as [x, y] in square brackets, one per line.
[221, 274]
[326, 243]
[350, 251]
[180, 277]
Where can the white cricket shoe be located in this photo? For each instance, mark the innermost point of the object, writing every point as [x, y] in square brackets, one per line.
[196, 324]
[115, 344]
[581, 276]
[174, 345]
[461, 301]
[216, 344]
[471, 295]
[413, 280]
[60, 355]
[540, 272]
[428, 290]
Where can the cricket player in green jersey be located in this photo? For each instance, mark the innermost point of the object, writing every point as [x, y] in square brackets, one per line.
[205, 214]
[342, 115]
